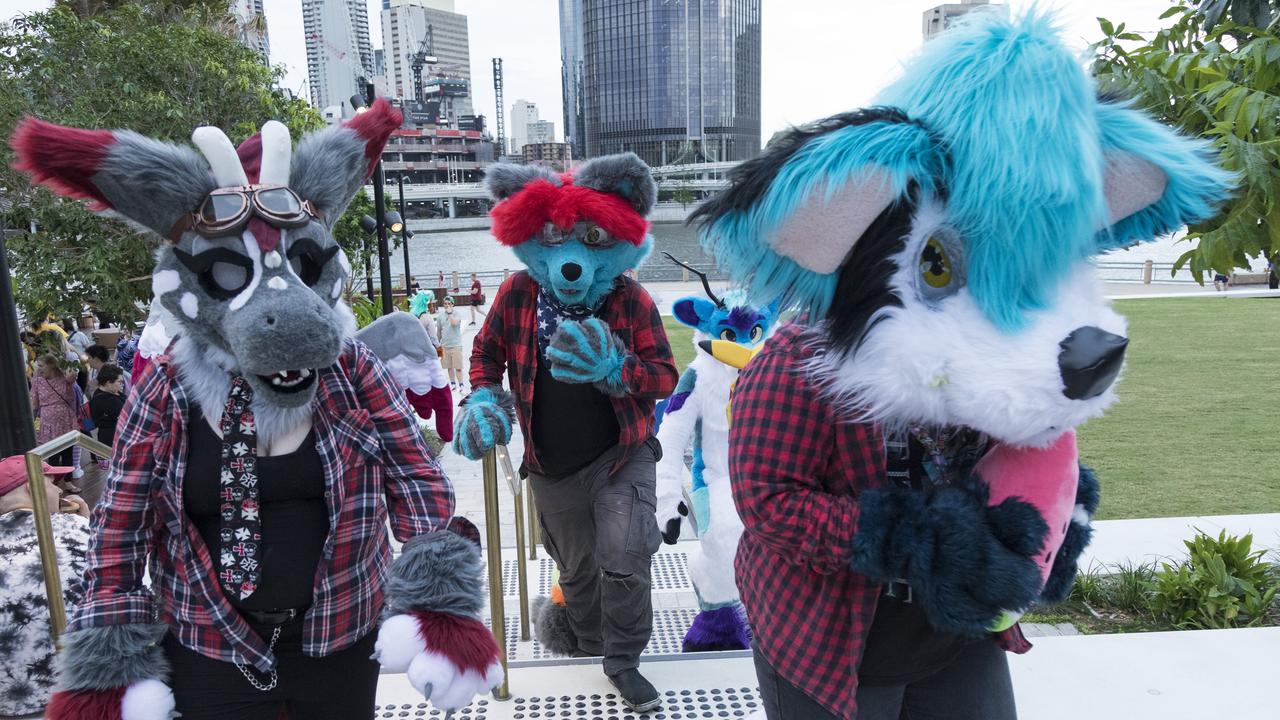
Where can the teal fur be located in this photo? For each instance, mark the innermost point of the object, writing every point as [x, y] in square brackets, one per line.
[483, 421]
[903, 151]
[588, 352]
[699, 465]
[600, 267]
[701, 499]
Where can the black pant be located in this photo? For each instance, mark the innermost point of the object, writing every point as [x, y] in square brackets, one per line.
[340, 686]
[599, 527]
[974, 686]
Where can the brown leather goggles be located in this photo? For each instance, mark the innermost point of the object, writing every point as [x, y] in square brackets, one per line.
[226, 211]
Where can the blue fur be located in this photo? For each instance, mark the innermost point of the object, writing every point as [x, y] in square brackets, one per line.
[588, 352]
[1063, 573]
[699, 464]
[704, 316]
[483, 421]
[723, 628]
[600, 267]
[904, 152]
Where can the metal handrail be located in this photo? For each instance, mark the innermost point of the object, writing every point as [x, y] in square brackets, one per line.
[35, 459]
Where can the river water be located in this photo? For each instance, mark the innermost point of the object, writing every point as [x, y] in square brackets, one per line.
[469, 251]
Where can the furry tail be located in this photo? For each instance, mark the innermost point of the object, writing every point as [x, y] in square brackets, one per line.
[551, 627]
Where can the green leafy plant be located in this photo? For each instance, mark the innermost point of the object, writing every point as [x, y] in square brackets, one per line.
[1130, 587]
[1089, 587]
[1214, 76]
[365, 310]
[1224, 583]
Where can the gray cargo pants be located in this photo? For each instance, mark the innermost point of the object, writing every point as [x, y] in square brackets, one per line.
[600, 529]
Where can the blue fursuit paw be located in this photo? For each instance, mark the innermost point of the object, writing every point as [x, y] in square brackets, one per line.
[720, 629]
[483, 422]
[588, 352]
[1063, 574]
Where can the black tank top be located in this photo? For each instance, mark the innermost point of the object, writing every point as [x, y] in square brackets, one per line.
[574, 423]
[295, 515]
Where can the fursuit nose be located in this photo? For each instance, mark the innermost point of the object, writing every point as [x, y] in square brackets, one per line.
[1089, 361]
[571, 271]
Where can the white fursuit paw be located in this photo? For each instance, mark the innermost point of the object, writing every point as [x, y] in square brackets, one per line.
[446, 685]
[147, 700]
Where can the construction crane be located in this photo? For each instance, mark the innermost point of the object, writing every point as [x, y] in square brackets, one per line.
[497, 96]
[424, 57]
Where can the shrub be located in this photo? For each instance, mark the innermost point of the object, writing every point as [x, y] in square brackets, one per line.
[1224, 583]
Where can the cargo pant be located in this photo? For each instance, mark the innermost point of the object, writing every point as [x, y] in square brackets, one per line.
[600, 529]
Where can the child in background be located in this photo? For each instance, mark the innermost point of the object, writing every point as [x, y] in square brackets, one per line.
[107, 403]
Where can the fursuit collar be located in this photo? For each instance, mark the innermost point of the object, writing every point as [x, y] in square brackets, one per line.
[524, 214]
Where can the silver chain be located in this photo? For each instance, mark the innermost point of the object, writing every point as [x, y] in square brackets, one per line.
[275, 675]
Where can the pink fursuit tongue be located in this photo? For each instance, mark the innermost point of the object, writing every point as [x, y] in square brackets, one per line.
[1044, 478]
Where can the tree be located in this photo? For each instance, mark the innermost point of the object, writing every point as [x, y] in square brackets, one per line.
[161, 68]
[1213, 77]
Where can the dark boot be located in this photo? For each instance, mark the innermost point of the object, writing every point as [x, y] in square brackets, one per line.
[637, 693]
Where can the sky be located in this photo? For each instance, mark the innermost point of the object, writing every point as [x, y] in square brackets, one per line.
[819, 57]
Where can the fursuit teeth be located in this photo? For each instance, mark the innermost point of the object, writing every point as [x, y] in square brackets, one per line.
[551, 627]
[588, 352]
[484, 421]
[720, 629]
[439, 572]
[111, 657]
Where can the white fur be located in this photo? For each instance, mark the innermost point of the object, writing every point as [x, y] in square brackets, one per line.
[190, 305]
[221, 155]
[272, 260]
[155, 334]
[398, 643]
[945, 364]
[147, 700]
[255, 254]
[277, 283]
[346, 318]
[165, 281]
[415, 376]
[277, 147]
[1080, 516]
[338, 284]
[711, 563]
[344, 262]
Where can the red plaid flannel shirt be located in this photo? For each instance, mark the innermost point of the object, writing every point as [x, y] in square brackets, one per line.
[797, 471]
[509, 341]
[375, 464]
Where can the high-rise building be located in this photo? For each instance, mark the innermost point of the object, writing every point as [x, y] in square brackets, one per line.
[677, 81]
[251, 27]
[553, 155]
[571, 75]
[438, 35]
[338, 49]
[941, 17]
[523, 114]
[541, 132]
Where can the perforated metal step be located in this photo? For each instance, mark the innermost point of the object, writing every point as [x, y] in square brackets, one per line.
[688, 704]
[669, 627]
[669, 569]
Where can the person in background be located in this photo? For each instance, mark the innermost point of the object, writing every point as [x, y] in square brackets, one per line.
[107, 403]
[449, 330]
[98, 356]
[26, 675]
[1273, 276]
[477, 297]
[126, 346]
[1221, 282]
[78, 339]
[28, 346]
[53, 398]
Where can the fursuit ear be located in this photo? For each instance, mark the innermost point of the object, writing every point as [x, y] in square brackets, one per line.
[503, 180]
[693, 311]
[330, 166]
[1155, 179]
[150, 182]
[625, 175]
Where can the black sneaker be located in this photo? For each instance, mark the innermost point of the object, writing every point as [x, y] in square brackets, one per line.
[637, 693]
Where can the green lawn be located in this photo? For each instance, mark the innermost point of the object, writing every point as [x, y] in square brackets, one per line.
[1197, 428]
[681, 338]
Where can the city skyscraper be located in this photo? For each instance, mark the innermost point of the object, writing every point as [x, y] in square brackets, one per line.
[251, 27]
[937, 19]
[338, 49]
[676, 81]
[405, 25]
[523, 114]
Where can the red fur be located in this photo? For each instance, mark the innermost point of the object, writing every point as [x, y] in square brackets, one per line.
[62, 158]
[438, 401]
[86, 705]
[375, 126]
[522, 215]
[250, 152]
[466, 642]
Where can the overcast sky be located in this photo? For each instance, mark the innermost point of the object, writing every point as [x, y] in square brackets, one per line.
[819, 57]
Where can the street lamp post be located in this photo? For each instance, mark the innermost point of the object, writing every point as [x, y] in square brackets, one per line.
[405, 234]
[384, 255]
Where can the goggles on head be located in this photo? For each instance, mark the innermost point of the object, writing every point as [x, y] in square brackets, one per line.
[227, 210]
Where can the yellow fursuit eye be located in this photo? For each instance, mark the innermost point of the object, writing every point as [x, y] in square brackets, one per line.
[935, 266]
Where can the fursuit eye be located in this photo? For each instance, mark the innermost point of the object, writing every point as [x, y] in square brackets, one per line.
[308, 260]
[228, 277]
[729, 334]
[935, 265]
[757, 332]
[595, 236]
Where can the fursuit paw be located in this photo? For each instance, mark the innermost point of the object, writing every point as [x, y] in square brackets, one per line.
[551, 626]
[720, 629]
[671, 511]
[588, 352]
[484, 421]
[448, 658]
[143, 700]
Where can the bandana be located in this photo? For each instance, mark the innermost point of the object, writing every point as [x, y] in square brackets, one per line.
[525, 213]
[551, 311]
[240, 533]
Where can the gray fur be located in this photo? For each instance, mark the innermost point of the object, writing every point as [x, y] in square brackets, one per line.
[112, 656]
[624, 174]
[153, 183]
[328, 168]
[438, 571]
[503, 180]
[397, 334]
[613, 384]
[551, 627]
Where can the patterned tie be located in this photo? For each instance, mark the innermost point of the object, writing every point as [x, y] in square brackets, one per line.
[241, 530]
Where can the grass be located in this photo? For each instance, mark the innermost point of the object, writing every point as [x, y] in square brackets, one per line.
[1197, 427]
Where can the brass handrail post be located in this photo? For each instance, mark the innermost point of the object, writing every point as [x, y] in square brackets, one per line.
[493, 530]
[48, 550]
[535, 526]
[522, 571]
